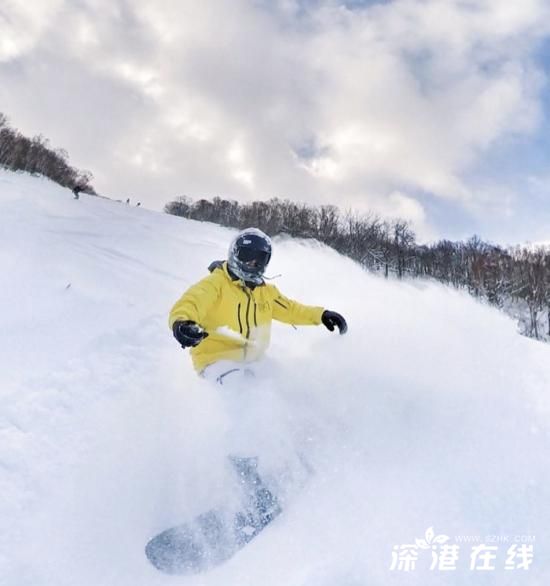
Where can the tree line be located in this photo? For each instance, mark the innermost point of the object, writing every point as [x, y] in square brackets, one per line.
[516, 280]
[34, 155]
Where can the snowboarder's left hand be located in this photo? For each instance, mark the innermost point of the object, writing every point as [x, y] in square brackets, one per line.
[331, 319]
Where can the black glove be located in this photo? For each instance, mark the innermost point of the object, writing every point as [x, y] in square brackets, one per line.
[331, 319]
[188, 333]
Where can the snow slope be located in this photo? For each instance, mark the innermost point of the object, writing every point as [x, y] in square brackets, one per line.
[432, 411]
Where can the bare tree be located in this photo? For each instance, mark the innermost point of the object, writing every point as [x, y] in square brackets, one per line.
[19, 153]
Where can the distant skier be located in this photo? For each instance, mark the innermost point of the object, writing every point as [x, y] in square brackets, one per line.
[77, 189]
[236, 299]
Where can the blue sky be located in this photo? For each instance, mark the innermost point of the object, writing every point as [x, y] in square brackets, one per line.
[429, 110]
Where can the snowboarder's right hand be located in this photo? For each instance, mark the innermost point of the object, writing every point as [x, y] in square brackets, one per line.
[188, 333]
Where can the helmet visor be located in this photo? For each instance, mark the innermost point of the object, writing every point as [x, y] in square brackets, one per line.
[253, 258]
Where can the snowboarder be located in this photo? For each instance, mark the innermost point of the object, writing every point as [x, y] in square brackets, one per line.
[225, 319]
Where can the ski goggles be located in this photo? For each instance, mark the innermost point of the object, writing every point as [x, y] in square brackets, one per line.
[252, 257]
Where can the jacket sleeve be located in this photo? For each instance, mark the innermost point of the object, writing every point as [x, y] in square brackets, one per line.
[195, 303]
[291, 312]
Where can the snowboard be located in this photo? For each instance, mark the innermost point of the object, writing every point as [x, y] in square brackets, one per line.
[217, 535]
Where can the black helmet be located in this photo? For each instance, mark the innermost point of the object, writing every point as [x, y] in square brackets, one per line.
[249, 255]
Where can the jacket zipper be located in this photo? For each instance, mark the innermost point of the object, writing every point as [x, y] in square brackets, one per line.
[281, 304]
[247, 312]
[239, 318]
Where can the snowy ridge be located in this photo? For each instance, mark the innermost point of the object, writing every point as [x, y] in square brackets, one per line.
[432, 411]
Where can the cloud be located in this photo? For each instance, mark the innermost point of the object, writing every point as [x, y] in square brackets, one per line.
[22, 24]
[347, 102]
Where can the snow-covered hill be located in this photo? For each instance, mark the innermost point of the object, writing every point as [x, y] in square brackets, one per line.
[431, 412]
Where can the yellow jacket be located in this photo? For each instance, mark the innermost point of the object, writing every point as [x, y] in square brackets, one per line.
[244, 316]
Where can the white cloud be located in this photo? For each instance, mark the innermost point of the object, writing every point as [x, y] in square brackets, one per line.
[250, 99]
[22, 24]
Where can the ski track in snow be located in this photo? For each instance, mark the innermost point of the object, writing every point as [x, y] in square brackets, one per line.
[432, 411]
